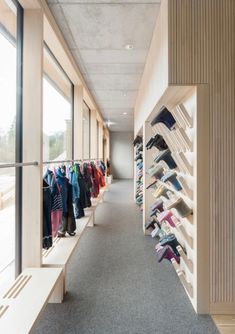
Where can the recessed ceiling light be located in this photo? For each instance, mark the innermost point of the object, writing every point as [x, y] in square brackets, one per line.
[124, 94]
[129, 47]
[124, 113]
[110, 123]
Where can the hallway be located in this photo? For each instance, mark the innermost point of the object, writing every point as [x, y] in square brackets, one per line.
[116, 285]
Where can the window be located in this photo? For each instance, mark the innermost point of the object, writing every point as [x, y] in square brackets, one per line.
[11, 16]
[97, 137]
[86, 131]
[57, 111]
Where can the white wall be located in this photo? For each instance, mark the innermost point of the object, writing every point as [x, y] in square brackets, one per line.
[122, 155]
[155, 77]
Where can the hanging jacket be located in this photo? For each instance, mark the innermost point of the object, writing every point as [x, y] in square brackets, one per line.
[84, 200]
[76, 192]
[68, 220]
[95, 181]
[101, 167]
[63, 184]
[56, 201]
[87, 178]
[73, 178]
[47, 228]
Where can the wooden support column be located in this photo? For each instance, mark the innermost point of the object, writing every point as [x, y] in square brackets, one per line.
[32, 138]
[108, 145]
[147, 162]
[78, 123]
[101, 138]
[93, 134]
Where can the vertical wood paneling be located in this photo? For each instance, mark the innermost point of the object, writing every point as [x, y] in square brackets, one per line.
[93, 135]
[78, 123]
[202, 50]
[32, 138]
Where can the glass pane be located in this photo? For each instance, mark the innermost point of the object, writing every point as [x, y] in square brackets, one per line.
[57, 123]
[7, 140]
[97, 139]
[86, 131]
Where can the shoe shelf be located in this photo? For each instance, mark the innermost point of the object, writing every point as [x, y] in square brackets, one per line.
[182, 276]
[187, 261]
[179, 166]
[186, 180]
[181, 193]
[138, 183]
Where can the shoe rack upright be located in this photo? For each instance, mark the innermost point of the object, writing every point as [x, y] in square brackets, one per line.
[136, 169]
[189, 145]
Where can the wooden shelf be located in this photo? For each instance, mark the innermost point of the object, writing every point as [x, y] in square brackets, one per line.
[187, 261]
[187, 285]
[188, 144]
[177, 192]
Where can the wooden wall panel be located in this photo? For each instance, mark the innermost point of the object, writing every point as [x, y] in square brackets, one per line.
[93, 135]
[32, 138]
[155, 77]
[78, 123]
[202, 50]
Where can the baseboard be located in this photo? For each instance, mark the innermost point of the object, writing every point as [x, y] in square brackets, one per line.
[222, 308]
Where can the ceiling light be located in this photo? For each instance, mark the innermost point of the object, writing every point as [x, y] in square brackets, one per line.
[124, 113]
[124, 94]
[129, 47]
[109, 123]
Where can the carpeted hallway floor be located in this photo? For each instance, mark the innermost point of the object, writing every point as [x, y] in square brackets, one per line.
[115, 284]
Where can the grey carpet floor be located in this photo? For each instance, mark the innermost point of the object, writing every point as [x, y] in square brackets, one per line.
[115, 284]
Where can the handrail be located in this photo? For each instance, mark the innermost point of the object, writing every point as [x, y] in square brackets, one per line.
[66, 161]
[18, 164]
[35, 163]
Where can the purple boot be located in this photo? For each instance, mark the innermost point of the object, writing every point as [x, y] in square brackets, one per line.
[166, 215]
[166, 252]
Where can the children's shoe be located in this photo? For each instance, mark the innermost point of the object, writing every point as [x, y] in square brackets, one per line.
[166, 156]
[181, 207]
[170, 240]
[164, 116]
[167, 216]
[158, 205]
[172, 178]
[161, 191]
[166, 252]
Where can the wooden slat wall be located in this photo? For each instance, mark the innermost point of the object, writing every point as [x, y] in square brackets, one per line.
[202, 50]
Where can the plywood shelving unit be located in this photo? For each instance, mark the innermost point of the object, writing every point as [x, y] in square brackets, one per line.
[137, 171]
[189, 145]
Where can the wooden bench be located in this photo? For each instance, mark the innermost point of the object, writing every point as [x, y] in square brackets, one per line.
[26, 298]
[59, 255]
[22, 304]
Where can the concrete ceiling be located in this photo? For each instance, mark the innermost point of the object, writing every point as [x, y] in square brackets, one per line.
[97, 32]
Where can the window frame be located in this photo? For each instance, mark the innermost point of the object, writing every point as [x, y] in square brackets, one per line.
[89, 137]
[19, 138]
[53, 83]
[18, 44]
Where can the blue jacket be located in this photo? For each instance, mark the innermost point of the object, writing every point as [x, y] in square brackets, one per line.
[62, 182]
[73, 176]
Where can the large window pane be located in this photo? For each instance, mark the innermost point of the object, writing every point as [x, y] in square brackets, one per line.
[57, 112]
[97, 138]
[8, 63]
[86, 131]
